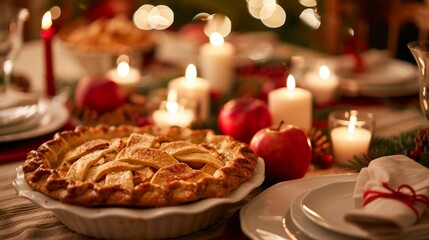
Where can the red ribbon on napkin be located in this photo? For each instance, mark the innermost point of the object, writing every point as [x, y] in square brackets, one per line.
[408, 199]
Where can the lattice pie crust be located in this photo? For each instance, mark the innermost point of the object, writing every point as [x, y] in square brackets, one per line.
[138, 166]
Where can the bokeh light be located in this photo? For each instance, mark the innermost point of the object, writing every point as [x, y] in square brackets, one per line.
[308, 3]
[218, 23]
[351, 31]
[55, 12]
[149, 17]
[141, 17]
[268, 11]
[310, 17]
[161, 17]
[254, 7]
[273, 15]
[254, 11]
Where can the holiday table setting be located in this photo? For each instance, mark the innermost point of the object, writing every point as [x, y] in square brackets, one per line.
[319, 131]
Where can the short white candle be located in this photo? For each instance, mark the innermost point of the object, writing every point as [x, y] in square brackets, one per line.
[195, 89]
[217, 63]
[347, 141]
[292, 105]
[323, 85]
[124, 75]
[173, 114]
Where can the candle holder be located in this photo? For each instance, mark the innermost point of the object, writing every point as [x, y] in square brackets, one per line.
[173, 113]
[420, 50]
[350, 132]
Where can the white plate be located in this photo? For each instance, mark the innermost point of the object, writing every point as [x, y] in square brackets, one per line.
[22, 126]
[16, 115]
[385, 77]
[25, 122]
[354, 88]
[291, 229]
[55, 117]
[143, 223]
[309, 228]
[262, 218]
[384, 72]
[327, 205]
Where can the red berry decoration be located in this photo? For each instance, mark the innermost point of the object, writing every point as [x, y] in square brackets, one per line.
[325, 161]
[414, 154]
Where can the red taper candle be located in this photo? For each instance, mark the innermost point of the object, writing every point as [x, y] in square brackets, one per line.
[46, 34]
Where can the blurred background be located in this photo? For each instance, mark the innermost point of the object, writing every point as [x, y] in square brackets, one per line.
[368, 19]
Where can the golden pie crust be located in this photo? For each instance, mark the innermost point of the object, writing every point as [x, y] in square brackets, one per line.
[138, 166]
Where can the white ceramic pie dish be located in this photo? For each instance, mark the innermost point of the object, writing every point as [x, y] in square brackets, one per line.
[133, 223]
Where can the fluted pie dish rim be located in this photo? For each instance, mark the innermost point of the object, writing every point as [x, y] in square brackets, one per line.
[141, 223]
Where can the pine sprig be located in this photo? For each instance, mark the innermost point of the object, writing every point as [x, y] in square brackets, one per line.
[359, 161]
[424, 159]
[383, 146]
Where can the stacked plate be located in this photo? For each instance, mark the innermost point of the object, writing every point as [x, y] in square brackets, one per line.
[319, 213]
[21, 118]
[31, 119]
[383, 77]
[309, 208]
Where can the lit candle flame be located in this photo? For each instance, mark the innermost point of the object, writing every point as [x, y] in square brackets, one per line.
[290, 82]
[47, 20]
[191, 73]
[324, 72]
[352, 125]
[123, 69]
[172, 106]
[216, 39]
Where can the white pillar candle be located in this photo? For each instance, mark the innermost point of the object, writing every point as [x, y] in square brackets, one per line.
[124, 75]
[292, 105]
[323, 85]
[195, 89]
[347, 141]
[217, 63]
[172, 114]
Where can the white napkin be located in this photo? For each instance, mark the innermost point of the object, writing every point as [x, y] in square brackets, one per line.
[385, 217]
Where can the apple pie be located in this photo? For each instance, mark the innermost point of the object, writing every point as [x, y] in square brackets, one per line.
[138, 166]
[114, 35]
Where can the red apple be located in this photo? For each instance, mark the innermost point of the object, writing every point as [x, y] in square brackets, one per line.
[99, 93]
[286, 151]
[242, 117]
